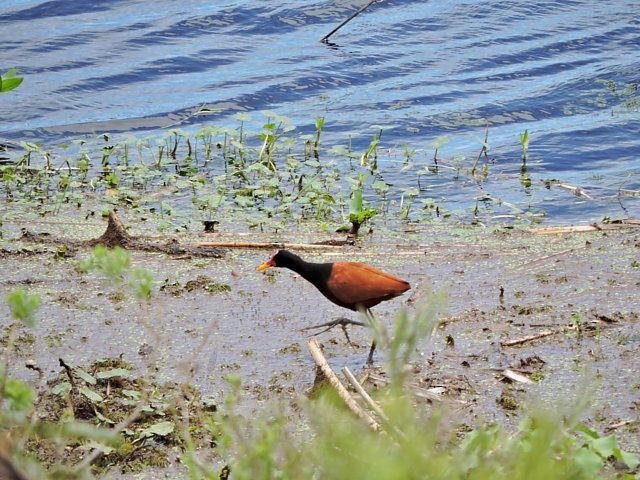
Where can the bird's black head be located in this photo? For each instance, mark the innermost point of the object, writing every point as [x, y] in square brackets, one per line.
[281, 259]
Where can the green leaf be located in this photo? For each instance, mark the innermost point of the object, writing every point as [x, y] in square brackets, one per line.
[142, 282]
[62, 388]
[19, 394]
[135, 394]
[9, 81]
[114, 372]
[90, 394]
[589, 461]
[111, 263]
[587, 431]
[102, 418]
[439, 142]
[355, 206]
[631, 460]
[161, 429]
[87, 377]
[23, 306]
[604, 446]
[93, 445]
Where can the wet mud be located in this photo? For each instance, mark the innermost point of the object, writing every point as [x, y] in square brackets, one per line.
[560, 309]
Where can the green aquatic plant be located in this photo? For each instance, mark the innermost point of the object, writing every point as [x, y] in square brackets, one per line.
[358, 213]
[370, 157]
[316, 143]
[524, 143]
[437, 144]
[9, 80]
[264, 177]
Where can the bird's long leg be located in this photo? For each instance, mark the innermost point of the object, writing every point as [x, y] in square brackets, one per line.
[342, 321]
[333, 323]
[373, 342]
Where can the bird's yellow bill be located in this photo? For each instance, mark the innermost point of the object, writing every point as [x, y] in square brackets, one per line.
[264, 266]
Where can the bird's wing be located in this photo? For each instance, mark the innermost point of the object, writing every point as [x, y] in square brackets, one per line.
[354, 283]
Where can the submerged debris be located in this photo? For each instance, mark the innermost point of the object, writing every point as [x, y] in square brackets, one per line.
[116, 235]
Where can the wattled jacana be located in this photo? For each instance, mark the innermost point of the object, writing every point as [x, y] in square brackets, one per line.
[351, 285]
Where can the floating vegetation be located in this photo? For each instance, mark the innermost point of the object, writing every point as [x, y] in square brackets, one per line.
[265, 179]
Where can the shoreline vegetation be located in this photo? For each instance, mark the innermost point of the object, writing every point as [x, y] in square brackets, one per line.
[272, 178]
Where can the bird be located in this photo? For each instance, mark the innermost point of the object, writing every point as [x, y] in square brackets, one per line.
[352, 285]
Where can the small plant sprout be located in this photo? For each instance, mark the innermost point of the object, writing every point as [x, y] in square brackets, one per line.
[23, 306]
[370, 157]
[437, 144]
[113, 264]
[357, 213]
[408, 154]
[483, 151]
[405, 204]
[524, 142]
[142, 283]
[316, 144]
[525, 176]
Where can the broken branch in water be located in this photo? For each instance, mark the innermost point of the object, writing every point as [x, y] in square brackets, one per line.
[334, 381]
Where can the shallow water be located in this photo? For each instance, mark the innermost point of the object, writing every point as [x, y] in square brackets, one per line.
[419, 69]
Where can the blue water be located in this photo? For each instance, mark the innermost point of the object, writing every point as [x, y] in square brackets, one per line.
[419, 69]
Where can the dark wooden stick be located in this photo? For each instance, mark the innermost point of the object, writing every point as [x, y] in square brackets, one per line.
[325, 39]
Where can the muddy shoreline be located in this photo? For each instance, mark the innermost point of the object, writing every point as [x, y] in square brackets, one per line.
[223, 317]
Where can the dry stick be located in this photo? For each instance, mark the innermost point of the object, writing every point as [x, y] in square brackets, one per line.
[547, 257]
[270, 245]
[370, 401]
[363, 393]
[519, 341]
[596, 227]
[615, 426]
[529, 338]
[321, 361]
[326, 37]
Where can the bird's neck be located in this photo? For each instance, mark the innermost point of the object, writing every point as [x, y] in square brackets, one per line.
[315, 273]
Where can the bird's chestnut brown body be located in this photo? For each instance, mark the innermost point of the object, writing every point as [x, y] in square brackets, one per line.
[356, 285]
[350, 285]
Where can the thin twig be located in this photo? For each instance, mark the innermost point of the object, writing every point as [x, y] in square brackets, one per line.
[321, 361]
[266, 245]
[545, 333]
[595, 227]
[615, 426]
[325, 39]
[67, 369]
[371, 402]
[363, 393]
[547, 257]
[529, 338]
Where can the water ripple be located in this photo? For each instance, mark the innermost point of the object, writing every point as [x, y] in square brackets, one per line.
[420, 68]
